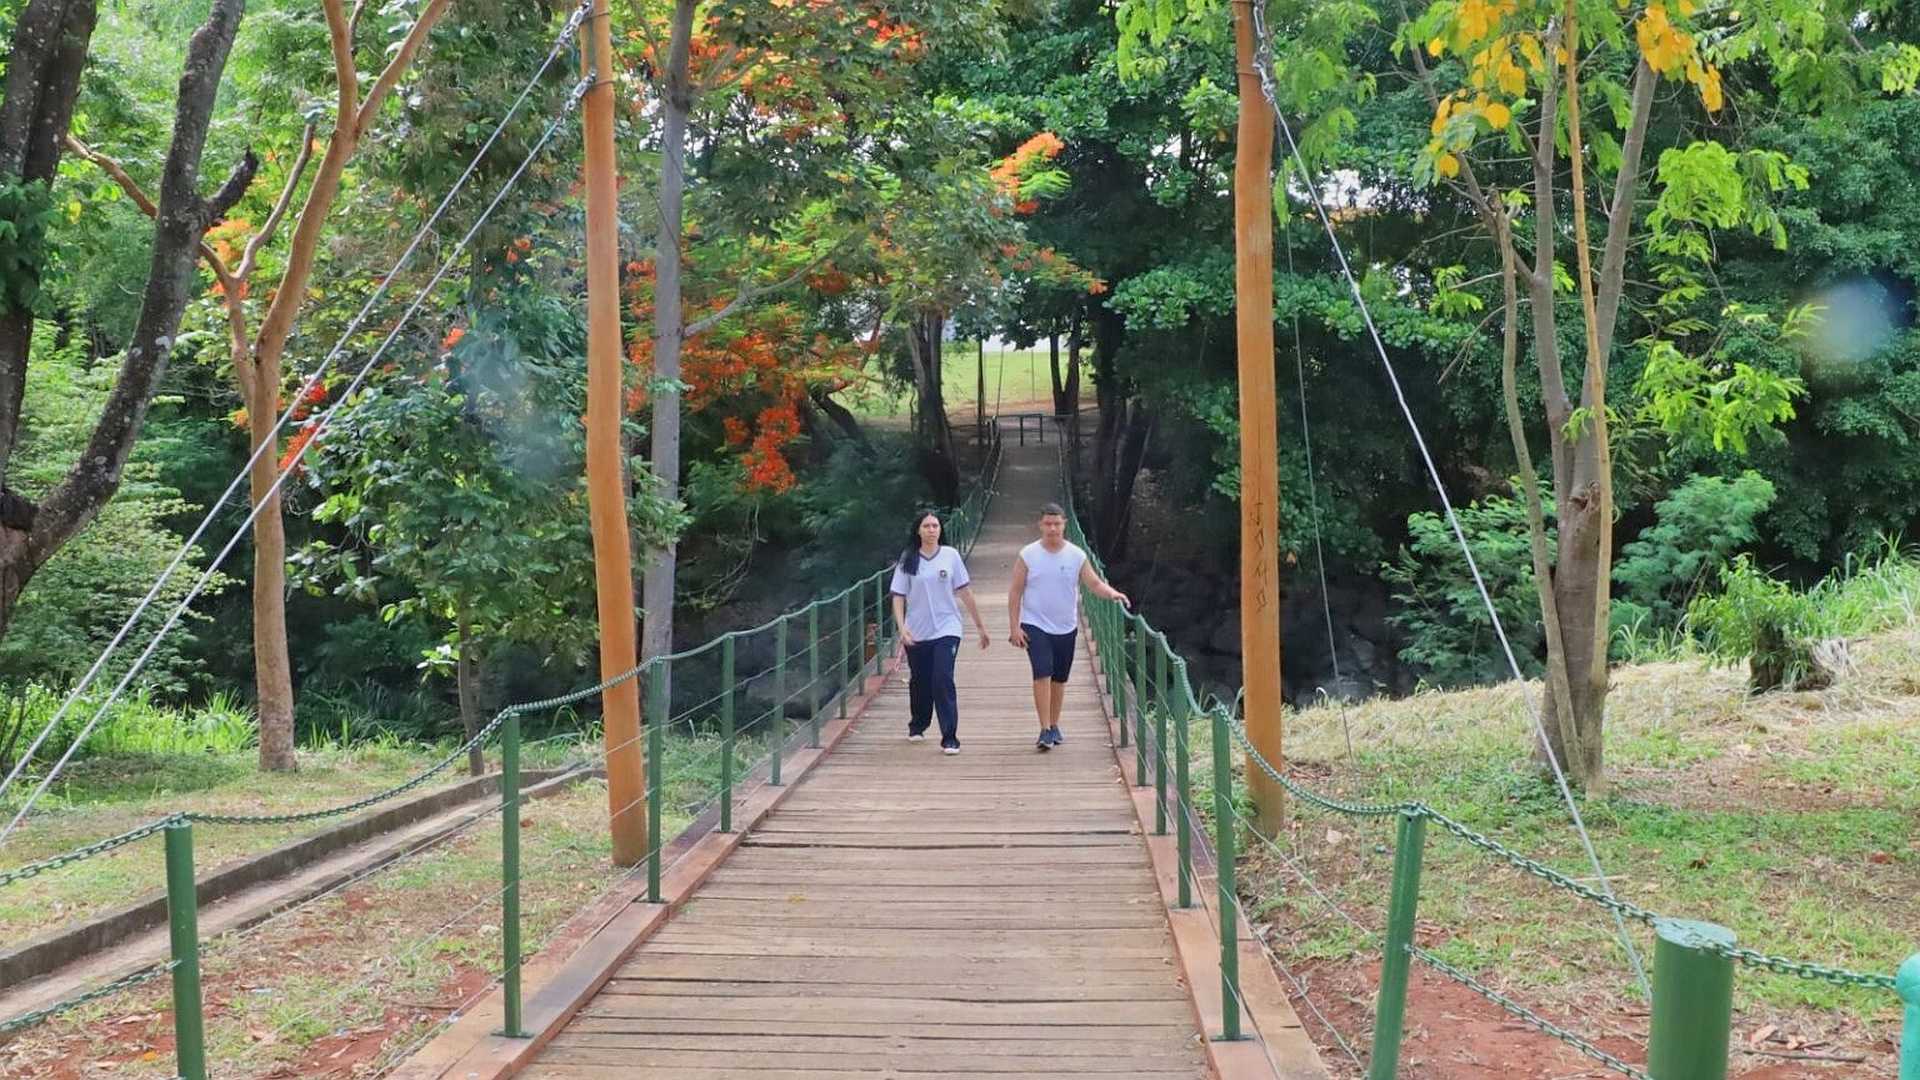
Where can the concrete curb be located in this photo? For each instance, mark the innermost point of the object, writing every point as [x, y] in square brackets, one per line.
[60, 948]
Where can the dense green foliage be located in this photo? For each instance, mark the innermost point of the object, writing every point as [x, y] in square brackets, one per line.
[1765, 402]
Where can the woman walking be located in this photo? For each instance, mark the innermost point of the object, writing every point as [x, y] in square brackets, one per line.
[929, 584]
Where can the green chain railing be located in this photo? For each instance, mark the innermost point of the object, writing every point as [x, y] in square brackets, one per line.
[856, 645]
[1694, 962]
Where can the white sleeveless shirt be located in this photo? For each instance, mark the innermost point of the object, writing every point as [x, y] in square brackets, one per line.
[1052, 598]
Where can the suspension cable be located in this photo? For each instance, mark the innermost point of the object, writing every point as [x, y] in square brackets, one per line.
[319, 427]
[566, 35]
[1264, 66]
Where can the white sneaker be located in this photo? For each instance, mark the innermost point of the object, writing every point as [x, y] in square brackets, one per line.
[949, 749]
[916, 738]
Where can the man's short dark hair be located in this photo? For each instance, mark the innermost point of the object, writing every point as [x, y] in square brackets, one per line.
[1052, 509]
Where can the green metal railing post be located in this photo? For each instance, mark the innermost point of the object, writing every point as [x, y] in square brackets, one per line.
[1114, 657]
[658, 716]
[1140, 701]
[1692, 1001]
[1907, 982]
[726, 733]
[880, 623]
[183, 925]
[514, 1027]
[1223, 850]
[1183, 786]
[1390, 1012]
[813, 673]
[779, 721]
[846, 656]
[1160, 742]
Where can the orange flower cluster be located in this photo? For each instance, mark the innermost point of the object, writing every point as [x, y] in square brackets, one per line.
[1048, 265]
[892, 33]
[766, 464]
[222, 237]
[315, 397]
[297, 446]
[1013, 168]
[829, 281]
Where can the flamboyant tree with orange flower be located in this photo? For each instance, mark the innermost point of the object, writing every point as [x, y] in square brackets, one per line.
[946, 236]
[781, 94]
[755, 371]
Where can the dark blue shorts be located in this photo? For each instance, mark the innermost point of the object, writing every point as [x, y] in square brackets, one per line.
[1050, 654]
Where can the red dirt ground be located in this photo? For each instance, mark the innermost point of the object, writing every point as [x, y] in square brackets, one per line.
[1454, 1034]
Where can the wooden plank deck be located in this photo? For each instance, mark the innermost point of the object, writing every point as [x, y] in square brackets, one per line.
[904, 913]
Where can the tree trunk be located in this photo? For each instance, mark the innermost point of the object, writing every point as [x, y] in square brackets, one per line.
[1583, 468]
[938, 460]
[272, 667]
[50, 42]
[466, 679]
[843, 419]
[656, 595]
[1581, 607]
[49, 52]
[1556, 716]
[1120, 442]
[31, 133]
[980, 393]
[273, 683]
[1054, 376]
[1073, 392]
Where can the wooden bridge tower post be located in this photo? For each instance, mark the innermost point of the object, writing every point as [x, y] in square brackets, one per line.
[1259, 438]
[606, 476]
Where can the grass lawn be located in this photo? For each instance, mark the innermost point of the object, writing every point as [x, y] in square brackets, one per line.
[1788, 818]
[349, 982]
[1016, 381]
[111, 794]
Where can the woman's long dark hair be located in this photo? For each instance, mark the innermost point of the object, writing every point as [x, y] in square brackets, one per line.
[910, 558]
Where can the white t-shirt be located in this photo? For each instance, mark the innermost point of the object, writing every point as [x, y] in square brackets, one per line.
[932, 610]
[1052, 597]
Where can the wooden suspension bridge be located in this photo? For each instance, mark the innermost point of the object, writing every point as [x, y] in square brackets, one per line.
[891, 911]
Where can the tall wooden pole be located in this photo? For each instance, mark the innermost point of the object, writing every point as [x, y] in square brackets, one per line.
[606, 479]
[1259, 439]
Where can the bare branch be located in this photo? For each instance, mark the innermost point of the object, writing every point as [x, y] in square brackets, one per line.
[116, 172]
[749, 293]
[119, 175]
[654, 48]
[724, 72]
[1483, 202]
[353, 21]
[397, 66]
[1613, 258]
[346, 75]
[260, 239]
[229, 193]
[178, 230]
[1546, 340]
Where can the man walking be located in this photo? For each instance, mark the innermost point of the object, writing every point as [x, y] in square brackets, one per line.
[1043, 606]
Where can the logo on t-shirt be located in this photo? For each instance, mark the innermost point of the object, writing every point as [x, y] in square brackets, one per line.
[943, 572]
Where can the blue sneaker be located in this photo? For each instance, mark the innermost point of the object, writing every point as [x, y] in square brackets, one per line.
[1054, 736]
[1044, 743]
